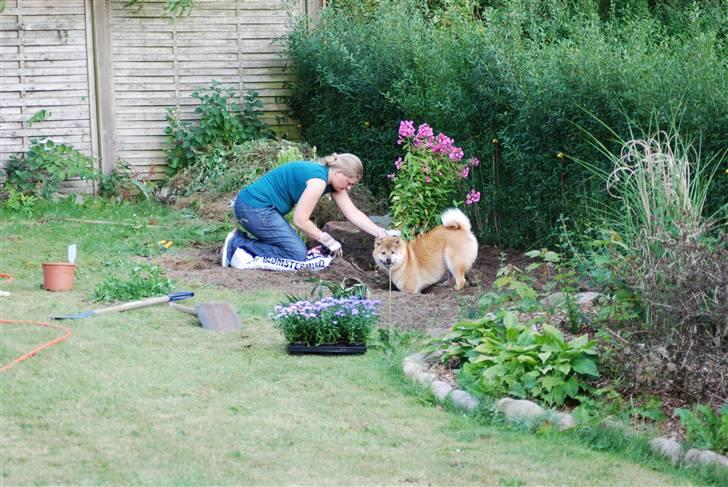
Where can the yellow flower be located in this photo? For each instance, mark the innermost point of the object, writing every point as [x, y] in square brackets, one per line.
[495, 141]
[560, 155]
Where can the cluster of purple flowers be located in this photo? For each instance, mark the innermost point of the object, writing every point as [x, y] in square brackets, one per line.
[340, 307]
[329, 320]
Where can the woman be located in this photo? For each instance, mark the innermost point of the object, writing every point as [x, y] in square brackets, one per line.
[261, 206]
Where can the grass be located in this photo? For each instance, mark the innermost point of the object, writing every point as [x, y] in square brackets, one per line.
[149, 397]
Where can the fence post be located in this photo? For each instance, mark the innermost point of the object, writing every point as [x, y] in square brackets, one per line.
[104, 106]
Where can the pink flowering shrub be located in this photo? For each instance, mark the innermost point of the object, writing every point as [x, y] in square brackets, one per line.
[427, 180]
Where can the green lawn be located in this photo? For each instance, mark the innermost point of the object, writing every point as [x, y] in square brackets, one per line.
[149, 397]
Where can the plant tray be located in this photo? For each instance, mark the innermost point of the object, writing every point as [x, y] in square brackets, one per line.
[326, 349]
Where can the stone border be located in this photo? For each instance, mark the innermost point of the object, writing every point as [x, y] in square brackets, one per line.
[415, 366]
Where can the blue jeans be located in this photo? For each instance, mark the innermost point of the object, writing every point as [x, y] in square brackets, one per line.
[274, 236]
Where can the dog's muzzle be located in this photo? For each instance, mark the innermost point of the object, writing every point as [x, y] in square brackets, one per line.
[386, 262]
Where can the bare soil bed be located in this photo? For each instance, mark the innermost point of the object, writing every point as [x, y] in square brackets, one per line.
[433, 311]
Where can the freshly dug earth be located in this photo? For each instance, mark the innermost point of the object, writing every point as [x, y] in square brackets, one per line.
[432, 312]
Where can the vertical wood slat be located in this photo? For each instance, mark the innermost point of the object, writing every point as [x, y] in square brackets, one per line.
[105, 114]
[45, 67]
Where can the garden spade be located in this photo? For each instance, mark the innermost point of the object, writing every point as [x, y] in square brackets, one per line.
[213, 316]
[126, 306]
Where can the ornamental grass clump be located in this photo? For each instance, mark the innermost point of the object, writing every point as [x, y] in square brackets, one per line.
[327, 321]
[427, 180]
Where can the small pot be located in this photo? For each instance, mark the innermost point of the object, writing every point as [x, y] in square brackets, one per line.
[326, 349]
[58, 276]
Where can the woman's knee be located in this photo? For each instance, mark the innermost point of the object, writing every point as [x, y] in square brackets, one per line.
[296, 251]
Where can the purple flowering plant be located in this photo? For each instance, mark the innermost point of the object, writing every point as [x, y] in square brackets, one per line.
[330, 320]
[427, 180]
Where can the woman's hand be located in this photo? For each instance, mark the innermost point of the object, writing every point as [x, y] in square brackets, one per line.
[332, 244]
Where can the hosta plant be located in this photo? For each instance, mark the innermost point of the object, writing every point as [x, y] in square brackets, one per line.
[502, 356]
[330, 320]
[426, 181]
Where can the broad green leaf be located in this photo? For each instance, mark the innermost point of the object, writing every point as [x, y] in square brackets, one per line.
[553, 332]
[510, 320]
[526, 359]
[550, 382]
[586, 366]
[544, 356]
[551, 256]
[579, 342]
[571, 386]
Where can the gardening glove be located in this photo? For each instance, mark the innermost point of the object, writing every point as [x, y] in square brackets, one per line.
[331, 244]
[388, 233]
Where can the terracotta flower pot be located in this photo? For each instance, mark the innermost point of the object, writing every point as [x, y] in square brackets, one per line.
[58, 276]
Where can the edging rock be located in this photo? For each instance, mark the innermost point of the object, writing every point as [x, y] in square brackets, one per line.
[705, 457]
[669, 448]
[415, 367]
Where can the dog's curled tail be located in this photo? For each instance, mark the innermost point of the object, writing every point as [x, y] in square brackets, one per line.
[455, 219]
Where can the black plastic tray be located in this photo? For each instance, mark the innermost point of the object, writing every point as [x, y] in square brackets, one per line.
[300, 348]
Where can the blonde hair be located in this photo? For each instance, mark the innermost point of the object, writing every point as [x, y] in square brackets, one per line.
[349, 164]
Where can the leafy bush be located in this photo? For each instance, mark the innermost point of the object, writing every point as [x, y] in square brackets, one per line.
[143, 281]
[426, 180]
[664, 233]
[501, 356]
[222, 120]
[230, 168]
[42, 169]
[327, 321]
[523, 73]
[704, 428]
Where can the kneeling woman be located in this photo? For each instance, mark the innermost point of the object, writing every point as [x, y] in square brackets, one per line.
[261, 206]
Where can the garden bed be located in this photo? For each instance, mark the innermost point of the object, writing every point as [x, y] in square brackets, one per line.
[434, 311]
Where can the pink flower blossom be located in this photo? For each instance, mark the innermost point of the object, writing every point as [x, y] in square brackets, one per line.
[456, 153]
[390, 176]
[398, 163]
[406, 129]
[428, 179]
[426, 169]
[464, 172]
[472, 197]
[424, 131]
[474, 161]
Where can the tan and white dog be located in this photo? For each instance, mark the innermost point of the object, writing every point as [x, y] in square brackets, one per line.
[416, 264]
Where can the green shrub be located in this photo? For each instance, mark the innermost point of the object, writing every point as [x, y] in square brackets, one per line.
[42, 169]
[143, 281]
[501, 356]
[704, 428]
[230, 168]
[222, 121]
[525, 73]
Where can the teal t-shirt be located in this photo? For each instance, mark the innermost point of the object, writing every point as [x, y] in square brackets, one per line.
[282, 187]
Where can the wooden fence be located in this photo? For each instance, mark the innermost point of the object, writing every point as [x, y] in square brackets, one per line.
[108, 74]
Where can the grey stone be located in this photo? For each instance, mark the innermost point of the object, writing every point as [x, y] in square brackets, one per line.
[440, 389]
[554, 299]
[463, 400]
[519, 410]
[587, 298]
[705, 457]
[435, 356]
[424, 378]
[668, 447]
[412, 365]
[565, 421]
[384, 221]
